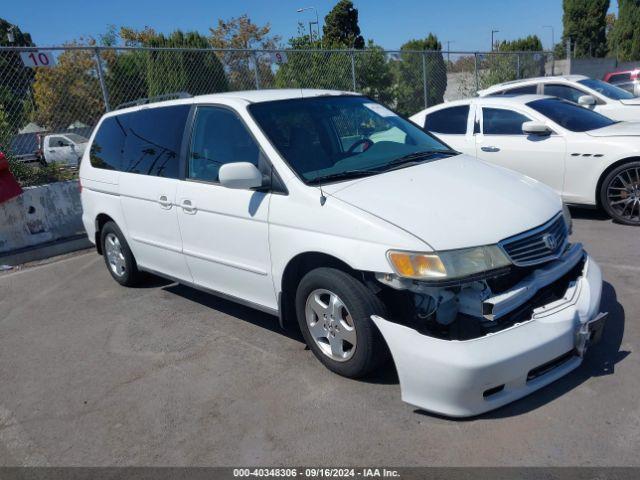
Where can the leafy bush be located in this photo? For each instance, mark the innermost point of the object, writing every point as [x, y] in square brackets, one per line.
[29, 175]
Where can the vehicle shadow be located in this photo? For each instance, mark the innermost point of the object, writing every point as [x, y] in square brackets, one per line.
[599, 360]
[588, 214]
[233, 309]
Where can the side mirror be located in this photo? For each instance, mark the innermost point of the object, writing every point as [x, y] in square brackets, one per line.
[240, 175]
[586, 100]
[535, 128]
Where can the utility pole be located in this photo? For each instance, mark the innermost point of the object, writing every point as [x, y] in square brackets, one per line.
[492, 32]
[449, 42]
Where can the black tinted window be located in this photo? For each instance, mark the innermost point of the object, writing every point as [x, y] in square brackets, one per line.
[219, 137]
[497, 121]
[152, 145]
[106, 149]
[529, 89]
[620, 77]
[563, 91]
[448, 120]
[571, 116]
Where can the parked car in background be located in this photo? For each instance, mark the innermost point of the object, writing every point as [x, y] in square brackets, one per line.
[596, 95]
[333, 213]
[628, 80]
[586, 157]
[63, 148]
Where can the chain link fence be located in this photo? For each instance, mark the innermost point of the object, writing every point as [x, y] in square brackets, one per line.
[81, 83]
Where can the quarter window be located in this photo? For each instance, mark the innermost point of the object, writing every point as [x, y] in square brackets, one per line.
[563, 91]
[219, 137]
[451, 120]
[106, 149]
[497, 121]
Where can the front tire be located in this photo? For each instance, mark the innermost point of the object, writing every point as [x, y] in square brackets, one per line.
[620, 193]
[334, 313]
[118, 257]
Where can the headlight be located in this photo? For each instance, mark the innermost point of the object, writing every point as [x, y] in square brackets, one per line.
[567, 218]
[449, 264]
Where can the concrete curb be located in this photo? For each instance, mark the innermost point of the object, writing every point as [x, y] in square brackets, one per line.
[45, 250]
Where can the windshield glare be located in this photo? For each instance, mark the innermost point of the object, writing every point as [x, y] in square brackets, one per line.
[570, 115]
[606, 89]
[339, 135]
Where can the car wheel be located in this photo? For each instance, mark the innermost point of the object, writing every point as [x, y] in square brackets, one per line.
[334, 313]
[118, 257]
[620, 193]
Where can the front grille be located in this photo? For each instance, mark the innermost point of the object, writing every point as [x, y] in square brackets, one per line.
[539, 245]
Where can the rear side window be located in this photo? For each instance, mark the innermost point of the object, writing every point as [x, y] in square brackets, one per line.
[497, 121]
[529, 89]
[153, 139]
[451, 120]
[106, 149]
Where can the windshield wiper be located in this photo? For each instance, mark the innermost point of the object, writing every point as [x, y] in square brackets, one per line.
[423, 155]
[344, 175]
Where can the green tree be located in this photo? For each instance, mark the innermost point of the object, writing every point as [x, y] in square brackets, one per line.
[410, 75]
[341, 28]
[241, 33]
[624, 39]
[510, 67]
[374, 76]
[530, 43]
[196, 72]
[584, 22]
[15, 82]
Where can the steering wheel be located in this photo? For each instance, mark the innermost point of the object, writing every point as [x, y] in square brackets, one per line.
[362, 141]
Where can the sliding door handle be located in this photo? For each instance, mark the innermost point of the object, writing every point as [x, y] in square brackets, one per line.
[188, 207]
[164, 202]
[490, 149]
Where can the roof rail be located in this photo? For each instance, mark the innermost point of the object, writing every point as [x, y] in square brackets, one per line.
[156, 98]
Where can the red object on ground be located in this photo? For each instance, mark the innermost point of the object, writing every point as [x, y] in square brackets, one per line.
[9, 188]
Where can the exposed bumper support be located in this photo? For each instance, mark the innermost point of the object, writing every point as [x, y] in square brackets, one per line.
[465, 378]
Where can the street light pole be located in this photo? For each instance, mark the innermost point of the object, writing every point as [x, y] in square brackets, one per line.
[492, 32]
[300, 10]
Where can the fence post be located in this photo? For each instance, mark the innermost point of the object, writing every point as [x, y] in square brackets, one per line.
[518, 66]
[256, 69]
[424, 79]
[103, 86]
[353, 70]
[475, 66]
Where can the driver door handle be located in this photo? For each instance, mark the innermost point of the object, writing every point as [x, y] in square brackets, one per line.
[188, 207]
[490, 149]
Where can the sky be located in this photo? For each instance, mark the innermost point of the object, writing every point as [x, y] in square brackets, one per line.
[467, 24]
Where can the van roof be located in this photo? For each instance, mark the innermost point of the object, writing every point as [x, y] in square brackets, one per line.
[250, 96]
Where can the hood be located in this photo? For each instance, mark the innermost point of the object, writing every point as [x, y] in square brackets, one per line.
[454, 202]
[620, 129]
[631, 101]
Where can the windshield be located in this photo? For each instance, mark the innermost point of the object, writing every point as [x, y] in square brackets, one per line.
[336, 137]
[74, 137]
[606, 89]
[570, 115]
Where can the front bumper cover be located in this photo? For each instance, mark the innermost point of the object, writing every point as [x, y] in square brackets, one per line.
[466, 378]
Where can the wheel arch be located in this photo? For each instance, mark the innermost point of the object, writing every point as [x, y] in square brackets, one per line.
[101, 220]
[606, 172]
[293, 272]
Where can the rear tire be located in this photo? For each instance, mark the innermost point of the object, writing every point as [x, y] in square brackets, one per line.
[118, 257]
[620, 193]
[334, 313]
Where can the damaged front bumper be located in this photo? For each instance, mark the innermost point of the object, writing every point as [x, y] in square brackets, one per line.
[464, 378]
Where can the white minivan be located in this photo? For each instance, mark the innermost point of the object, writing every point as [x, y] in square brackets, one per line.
[333, 213]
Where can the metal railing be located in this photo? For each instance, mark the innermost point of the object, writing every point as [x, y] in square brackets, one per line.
[85, 82]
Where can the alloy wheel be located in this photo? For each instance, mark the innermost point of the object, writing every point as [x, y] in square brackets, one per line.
[115, 257]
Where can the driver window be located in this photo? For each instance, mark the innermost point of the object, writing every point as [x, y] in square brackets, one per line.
[58, 142]
[219, 137]
[497, 121]
[563, 91]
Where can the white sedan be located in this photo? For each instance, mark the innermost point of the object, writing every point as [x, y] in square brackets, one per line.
[602, 97]
[586, 157]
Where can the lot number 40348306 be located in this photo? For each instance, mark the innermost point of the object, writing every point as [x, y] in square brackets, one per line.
[37, 59]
